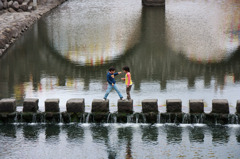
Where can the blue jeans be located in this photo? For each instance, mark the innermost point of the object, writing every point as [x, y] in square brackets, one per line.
[109, 90]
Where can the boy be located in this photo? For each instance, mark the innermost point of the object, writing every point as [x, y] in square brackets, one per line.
[112, 83]
[128, 81]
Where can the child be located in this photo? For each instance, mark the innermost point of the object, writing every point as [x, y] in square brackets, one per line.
[112, 83]
[128, 81]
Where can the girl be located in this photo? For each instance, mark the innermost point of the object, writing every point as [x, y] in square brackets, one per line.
[128, 80]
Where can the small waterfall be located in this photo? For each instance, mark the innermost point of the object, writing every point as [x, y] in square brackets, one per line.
[16, 118]
[43, 118]
[34, 118]
[82, 119]
[60, 118]
[87, 119]
[114, 118]
[144, 118]
[109, 117]
[129, 118]
[232, 119]
[186, 118]
[159, 118]
[137, 118]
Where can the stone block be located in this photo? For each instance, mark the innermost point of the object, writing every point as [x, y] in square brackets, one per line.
[15, 5]
[23, 7]
[238, 107]
[7, 105]
[100, 105]
[76, 105]
[125, 106]
[149, 105]
[52, 105]
[220, 106]
[196, 106]
[30, 105]
[174, 105]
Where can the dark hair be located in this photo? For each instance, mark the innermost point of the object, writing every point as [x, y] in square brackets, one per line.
[126, 68]
[111, 68]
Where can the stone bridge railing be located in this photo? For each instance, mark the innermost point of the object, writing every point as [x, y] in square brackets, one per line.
[75, 112]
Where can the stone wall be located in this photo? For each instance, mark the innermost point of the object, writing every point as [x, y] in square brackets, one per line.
[16, 16]
[16, 5]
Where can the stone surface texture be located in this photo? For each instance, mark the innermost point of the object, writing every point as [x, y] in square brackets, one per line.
[30, 105]
[7, 105]
[220, 106]
[52, 105]
[76, 105]
[174, 105]
[150, 105]
[100, 106]
[196, 106]
[125, 106]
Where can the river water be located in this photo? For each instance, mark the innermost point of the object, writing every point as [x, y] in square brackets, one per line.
[189, 50]
[119, 141]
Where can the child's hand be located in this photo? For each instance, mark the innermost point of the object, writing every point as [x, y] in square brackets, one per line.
[127, 86]
[119, 73]
[112, 84]
[123, 79]
[112, 76]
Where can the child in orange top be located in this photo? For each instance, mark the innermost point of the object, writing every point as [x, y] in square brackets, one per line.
[128, 81]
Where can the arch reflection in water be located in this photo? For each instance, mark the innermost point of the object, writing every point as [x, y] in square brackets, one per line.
[96, 35]
[203, 31]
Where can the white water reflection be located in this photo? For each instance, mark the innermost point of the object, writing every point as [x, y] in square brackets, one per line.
[204, 31]
[94, 32]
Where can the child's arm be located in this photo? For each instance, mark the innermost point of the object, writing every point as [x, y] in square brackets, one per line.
[117, 73]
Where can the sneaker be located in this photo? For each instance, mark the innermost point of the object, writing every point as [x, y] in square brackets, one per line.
[104, 99]
[121, 98]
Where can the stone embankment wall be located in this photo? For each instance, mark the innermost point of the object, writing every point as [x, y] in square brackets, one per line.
[16, 5]
[100, 112]
[13, 21]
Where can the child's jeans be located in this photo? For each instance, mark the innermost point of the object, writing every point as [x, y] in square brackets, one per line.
[109, 90]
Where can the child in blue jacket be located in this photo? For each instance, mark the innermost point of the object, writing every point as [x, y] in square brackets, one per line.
[112, 83]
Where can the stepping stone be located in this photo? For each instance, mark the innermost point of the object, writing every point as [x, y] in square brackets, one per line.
[150, 105]
[174, 105]
[52, 105]
[30, 105]
[196, 106]
[100, 105]
[220, 106]
[76, 105]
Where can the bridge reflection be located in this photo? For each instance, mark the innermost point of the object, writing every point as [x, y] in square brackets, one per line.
[39, 61]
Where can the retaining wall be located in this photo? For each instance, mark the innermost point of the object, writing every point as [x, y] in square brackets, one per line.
[14, 21]
[100, 112]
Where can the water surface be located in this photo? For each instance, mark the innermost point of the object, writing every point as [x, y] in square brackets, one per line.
[188, 50]
[119, 141]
